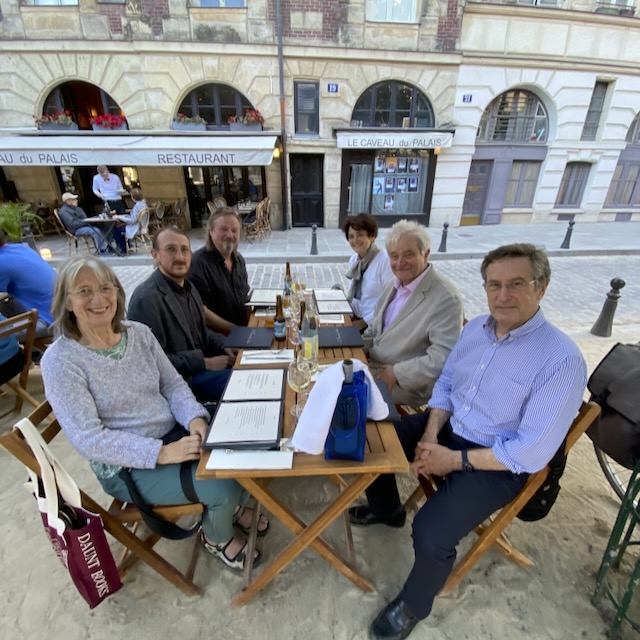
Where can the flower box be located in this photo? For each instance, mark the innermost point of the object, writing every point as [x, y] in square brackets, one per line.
[189, 126]
[53, 126]
[99, 127]
[241, 126]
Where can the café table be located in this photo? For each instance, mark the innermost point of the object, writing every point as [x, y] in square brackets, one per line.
[104, 227]
[383, 455]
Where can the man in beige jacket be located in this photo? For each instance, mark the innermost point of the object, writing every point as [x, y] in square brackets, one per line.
[418, 319]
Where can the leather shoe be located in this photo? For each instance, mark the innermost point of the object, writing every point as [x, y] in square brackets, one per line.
[363, 516]
[394, 622]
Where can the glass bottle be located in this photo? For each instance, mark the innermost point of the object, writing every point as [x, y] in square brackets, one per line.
[279, 321]
[309, 333]
[286, 291]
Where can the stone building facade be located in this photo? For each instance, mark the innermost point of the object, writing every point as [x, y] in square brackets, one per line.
[436, 110]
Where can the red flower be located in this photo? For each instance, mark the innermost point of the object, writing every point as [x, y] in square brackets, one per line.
[108, 120]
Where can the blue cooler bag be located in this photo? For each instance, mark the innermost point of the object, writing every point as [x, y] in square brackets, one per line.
[348, 431]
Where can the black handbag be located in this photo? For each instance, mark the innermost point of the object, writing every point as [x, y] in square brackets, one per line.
[615, 386]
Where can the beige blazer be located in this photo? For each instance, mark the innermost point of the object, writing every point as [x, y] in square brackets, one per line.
[419, 339]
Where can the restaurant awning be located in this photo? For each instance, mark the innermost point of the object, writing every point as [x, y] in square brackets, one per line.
[84, 149]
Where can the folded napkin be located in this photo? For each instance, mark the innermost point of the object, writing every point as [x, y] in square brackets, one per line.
[313, 425]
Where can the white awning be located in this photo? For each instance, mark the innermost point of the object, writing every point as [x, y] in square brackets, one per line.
[136, 150]
[382, 138]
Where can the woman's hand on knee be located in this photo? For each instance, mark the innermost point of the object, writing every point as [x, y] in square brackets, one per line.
[187, 448]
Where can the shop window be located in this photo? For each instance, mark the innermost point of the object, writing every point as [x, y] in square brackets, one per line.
[216, 103]
[522, 184]
[514, 116]
[392, 104]
[624, 190]
[392, 10]
[574, 182]
[307, 107]
[398, 187]
[594, 113]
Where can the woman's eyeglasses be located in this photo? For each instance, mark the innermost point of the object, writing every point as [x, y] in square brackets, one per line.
[86, 293]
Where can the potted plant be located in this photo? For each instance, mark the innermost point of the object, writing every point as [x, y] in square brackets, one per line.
[58, 120]
[109, 121]
[252, 120]
[16, 219]
[183, 122]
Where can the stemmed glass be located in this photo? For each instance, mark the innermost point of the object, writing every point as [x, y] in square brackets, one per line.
[299, 378]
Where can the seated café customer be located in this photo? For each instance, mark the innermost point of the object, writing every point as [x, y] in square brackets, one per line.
[29, 280]
[124, 407]
[417, 320]
[171, 307]
[369, 269]
[73, 219]
[11, 357]
[500, 410]
[126, 233]
[219, 273]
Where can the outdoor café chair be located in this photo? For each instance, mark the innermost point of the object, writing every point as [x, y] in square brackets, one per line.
[121, 520]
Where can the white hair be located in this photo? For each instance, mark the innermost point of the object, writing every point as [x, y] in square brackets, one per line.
[404, 228]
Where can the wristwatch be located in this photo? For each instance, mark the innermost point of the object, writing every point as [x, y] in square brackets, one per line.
[466, 465]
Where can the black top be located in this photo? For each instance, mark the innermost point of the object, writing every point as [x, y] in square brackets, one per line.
[224, 292]
[188, 304]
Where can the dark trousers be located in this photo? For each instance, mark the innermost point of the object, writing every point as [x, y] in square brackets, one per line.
[464, 499]
[209, 385]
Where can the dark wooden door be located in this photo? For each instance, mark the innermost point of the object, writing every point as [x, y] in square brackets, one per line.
[475, 196]
[307, 203]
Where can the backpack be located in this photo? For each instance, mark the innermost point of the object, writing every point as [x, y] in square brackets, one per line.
[544, 498]
[615, 386]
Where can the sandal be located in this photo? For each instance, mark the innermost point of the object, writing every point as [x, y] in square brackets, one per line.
[246, 530]
[237, 562]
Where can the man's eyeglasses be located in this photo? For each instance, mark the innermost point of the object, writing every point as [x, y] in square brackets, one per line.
[86, 293]
[515, 286]
[173, 251]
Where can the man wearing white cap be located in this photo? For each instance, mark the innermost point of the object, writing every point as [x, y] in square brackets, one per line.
[73, 218]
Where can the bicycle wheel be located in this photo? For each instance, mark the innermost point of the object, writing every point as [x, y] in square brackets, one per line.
[617, 475]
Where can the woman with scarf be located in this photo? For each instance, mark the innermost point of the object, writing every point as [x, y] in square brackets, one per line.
[369, 269]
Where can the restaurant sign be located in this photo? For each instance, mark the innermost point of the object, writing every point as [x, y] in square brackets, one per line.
[155, 151]
[410, 139]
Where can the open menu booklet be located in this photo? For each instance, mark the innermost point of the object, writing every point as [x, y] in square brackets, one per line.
[249, 415]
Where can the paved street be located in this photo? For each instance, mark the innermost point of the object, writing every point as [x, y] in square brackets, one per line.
[578, 287]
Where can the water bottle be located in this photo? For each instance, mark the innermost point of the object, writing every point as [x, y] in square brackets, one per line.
[309, 334]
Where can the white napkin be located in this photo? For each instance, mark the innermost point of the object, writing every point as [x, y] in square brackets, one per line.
[313, 425]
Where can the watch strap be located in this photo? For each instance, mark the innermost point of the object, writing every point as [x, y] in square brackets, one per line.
[466, 465]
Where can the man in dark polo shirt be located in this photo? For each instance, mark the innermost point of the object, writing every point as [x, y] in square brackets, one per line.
[219, 273]
[168, 304]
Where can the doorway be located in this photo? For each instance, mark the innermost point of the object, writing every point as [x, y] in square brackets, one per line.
[475, 196]
[307, 202]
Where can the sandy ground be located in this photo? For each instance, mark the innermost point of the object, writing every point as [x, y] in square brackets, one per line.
[309, 600]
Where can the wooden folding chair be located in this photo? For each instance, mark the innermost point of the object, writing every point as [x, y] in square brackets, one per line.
[24, 322]
[492, 532]
[121, 520]
[158, 220]
[143, 231]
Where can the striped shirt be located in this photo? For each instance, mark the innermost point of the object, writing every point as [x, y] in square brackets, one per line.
[517, 395]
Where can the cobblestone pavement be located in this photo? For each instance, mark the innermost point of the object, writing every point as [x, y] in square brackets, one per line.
[573, 301]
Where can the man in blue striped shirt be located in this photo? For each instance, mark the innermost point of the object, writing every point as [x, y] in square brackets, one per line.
[499, 411]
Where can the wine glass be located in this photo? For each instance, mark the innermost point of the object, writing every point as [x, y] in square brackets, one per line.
[292, 331]
[299, 378]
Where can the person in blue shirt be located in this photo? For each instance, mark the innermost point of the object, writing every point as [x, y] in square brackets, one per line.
[499, 411]
[28, 280]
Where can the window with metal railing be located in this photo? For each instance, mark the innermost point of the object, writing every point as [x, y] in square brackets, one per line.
[514, 116]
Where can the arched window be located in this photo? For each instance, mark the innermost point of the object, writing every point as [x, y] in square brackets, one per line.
[393, 104]
[83, 100]
[216, 103]
[633, 135]
[514, 116]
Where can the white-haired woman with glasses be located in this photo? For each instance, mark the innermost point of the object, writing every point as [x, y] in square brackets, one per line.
[123, 406]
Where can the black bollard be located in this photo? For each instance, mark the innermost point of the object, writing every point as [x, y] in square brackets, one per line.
[567, 236]
[443, 242]
[314, 240]
[602, 326]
